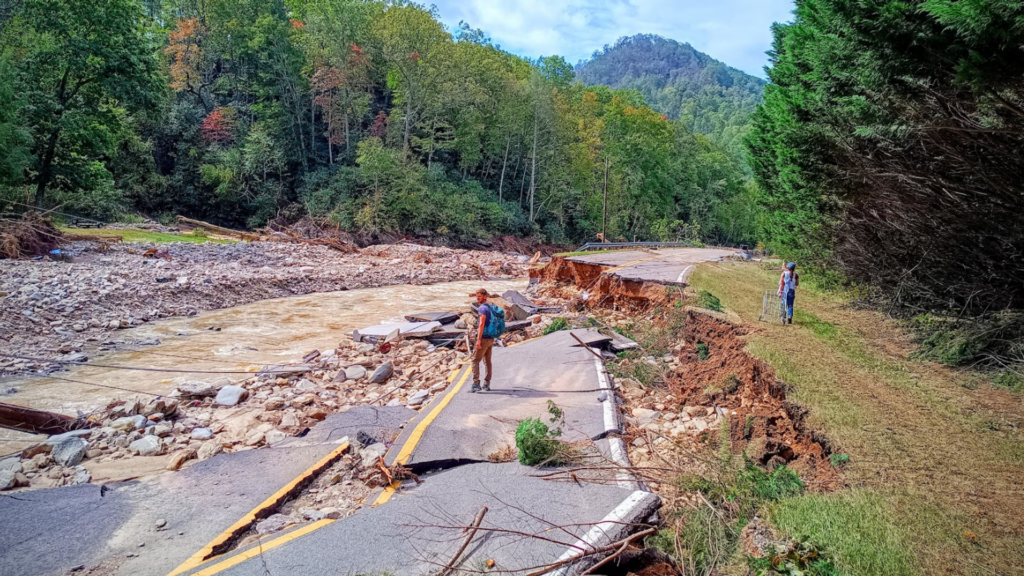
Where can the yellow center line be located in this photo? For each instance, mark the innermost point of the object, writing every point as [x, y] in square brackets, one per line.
[260, 549]
[203, 555]
[410, 444]
[402, 458]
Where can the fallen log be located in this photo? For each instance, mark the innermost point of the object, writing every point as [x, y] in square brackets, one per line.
[39, 421]
[218, 229]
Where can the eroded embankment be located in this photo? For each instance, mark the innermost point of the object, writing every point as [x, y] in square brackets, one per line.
[712, 369]
[600, 290]
[716, 370]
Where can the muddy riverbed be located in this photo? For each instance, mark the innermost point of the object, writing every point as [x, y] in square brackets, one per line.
[237, 339]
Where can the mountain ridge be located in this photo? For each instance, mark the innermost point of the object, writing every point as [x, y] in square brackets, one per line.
[683, 83]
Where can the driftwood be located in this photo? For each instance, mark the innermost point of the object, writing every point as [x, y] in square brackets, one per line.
[218, 229]
[469, 538]
[38, 421]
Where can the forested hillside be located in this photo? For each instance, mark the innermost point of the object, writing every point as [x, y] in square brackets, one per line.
[368, 113]
[889, 146]
[708, 96]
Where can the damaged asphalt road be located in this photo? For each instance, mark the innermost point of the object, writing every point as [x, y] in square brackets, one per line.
[156, 526]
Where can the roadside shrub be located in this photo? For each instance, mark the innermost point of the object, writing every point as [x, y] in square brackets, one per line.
[534, 442]
[539, 444]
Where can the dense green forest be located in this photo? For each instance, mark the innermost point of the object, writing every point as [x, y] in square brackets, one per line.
[889, 149]
[369, 113]
[709, 97]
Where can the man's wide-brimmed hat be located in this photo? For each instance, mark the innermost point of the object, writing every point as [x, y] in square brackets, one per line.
[481, 291]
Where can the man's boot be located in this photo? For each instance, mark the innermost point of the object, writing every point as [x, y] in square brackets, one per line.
[487, 387]
[475, 388]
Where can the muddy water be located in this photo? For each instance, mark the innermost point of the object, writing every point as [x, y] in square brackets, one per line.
[275, 331]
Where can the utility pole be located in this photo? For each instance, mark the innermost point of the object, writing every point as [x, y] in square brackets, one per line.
[604, 211]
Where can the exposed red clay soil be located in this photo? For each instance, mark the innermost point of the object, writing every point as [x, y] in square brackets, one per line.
[770, 429]
[767, 427]
[603, 290]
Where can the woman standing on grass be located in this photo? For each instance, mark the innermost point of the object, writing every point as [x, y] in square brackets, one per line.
[787, 291]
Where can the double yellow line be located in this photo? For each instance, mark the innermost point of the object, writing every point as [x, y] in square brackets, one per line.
[417, 434]
[404, 454]
[250, 518]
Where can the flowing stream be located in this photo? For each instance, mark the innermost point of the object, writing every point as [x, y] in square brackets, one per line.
[243, 339]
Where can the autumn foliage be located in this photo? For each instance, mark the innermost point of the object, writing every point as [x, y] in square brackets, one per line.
[184, 46]
[219, 125]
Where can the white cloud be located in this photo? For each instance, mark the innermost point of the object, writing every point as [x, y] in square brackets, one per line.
[736, 32]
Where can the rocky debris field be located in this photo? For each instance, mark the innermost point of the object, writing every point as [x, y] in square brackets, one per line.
[205, 417]
[50, 307]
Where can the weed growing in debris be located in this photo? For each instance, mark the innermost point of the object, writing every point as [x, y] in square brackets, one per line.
[702, 351]
[556, 325]
[837, 459]
[804, 559]
[709, 301]
[729, 385]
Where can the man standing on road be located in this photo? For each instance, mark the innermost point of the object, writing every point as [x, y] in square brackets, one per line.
[787, 291]
[483, 345]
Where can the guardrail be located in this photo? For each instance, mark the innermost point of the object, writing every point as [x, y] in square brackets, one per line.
[594, 245]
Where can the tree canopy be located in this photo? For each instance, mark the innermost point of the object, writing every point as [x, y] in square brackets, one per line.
[370, 113]
[889, 146]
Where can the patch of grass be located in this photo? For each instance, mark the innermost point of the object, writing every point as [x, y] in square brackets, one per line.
[1009, 379]
[822, 329]
[769, 486]
[854, 527]
[708, 301]
[143, 236]
[556, 325]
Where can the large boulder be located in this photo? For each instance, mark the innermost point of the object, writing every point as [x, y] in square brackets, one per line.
[8, 479]
[197, 389]
[231, 395]
[382, 373]
[645, 417]
[355, 372]
[146, 446]
[70, 451]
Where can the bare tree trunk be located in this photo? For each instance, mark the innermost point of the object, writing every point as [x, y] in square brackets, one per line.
[533, 168]
[348, 145]
[504, 164]
[604, 210]
[312, 126]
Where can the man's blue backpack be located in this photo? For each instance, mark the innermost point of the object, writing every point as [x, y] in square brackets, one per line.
[496, 326]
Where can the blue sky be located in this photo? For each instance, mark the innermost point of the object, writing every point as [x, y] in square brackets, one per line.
[733, 31]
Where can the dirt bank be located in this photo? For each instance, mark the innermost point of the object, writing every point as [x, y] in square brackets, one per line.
[706, 377]
[49, 307]
[590, 288]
